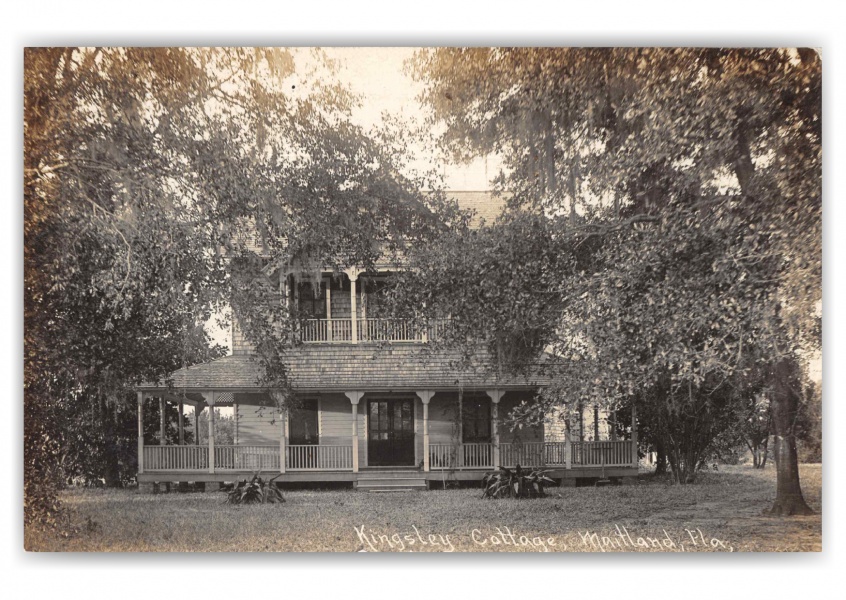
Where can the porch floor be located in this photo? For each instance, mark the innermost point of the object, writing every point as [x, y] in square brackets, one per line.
[466, 474]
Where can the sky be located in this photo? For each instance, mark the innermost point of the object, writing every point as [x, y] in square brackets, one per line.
[377, 75]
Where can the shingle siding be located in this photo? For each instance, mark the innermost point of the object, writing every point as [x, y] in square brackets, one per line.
[339, 367]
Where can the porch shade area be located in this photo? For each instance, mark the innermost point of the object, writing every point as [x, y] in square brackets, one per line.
[425, 430]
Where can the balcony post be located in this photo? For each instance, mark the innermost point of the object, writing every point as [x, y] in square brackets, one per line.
[496, 396]
[209, 396]
[353, 274]
[425, 396]
[140, 432]
[354, 397]
[634, 437]
[180, 407]
[329, 310]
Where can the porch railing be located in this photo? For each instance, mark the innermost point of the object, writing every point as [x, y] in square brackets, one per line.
[176, 458]
[477, 455]
[531, 454]
[319, 458]
[246, 458]
[595, 454]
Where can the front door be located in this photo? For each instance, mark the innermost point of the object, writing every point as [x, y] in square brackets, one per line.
[390, 432]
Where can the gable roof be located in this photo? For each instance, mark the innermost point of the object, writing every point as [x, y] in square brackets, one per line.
[338, 367]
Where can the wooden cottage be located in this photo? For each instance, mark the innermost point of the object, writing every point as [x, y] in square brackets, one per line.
[377, 407]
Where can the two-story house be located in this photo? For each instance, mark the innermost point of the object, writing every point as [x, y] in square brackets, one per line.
[377, 407]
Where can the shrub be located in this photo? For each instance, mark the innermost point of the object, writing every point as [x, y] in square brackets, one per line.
[255, 491]
[515, 484]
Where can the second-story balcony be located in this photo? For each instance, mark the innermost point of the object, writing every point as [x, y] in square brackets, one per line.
[370, 330]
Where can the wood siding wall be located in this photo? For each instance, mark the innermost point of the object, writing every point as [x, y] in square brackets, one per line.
[256, 425]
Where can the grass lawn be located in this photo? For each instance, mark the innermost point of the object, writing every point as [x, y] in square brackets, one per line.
[723, 511]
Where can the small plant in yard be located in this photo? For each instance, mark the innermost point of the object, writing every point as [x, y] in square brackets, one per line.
[516, 484]
[255, 491]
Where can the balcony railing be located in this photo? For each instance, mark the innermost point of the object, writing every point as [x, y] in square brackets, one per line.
[370, 330]
[326, 330]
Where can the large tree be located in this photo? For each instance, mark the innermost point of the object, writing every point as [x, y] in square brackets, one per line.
[685, 184]
[159, 185]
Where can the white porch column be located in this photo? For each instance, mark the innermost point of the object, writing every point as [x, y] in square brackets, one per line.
[162, 426]
[425, 397]
[353, 274]
[210, 397]
[197, 424]
[613, 424]
[634, 437]
[496, 396]
[180, 407]
[283, 427]
[354, 397]
[568, 445]
[140, 432]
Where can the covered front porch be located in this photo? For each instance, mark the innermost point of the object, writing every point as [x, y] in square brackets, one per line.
[346, 436]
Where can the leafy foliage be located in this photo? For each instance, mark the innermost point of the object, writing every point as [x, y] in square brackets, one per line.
[506, 483]
[255, 491]
[680, 191]
[161, 184]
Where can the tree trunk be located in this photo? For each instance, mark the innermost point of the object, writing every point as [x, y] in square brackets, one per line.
[755, 461]
[661, 459]
[784, 407]
[766, 450]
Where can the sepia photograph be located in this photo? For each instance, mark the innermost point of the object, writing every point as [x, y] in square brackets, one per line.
[438, 299]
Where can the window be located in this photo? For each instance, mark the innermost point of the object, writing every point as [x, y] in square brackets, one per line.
[476, 420]
[312, 299]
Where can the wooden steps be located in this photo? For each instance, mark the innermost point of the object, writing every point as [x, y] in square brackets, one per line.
[391, 481]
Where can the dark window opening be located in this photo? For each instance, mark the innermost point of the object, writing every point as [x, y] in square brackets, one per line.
[476, 420]
[311, 300]
[302, 424]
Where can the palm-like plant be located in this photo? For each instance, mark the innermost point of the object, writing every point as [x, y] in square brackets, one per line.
[516, 484]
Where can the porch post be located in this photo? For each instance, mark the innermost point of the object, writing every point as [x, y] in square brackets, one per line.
[210, 401]
[634, 437]
[496, 396]
[353, 274]
[425, 397]
[568, 446]
[613, 424]
[180, 408]
[283, 422]
[140, 432]
[162, 426]
[354, 397]
[197, 424]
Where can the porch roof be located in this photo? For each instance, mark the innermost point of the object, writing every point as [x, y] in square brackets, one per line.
[335, 367]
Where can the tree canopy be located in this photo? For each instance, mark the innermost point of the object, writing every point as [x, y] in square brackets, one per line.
[161, 184]
[679, 198]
